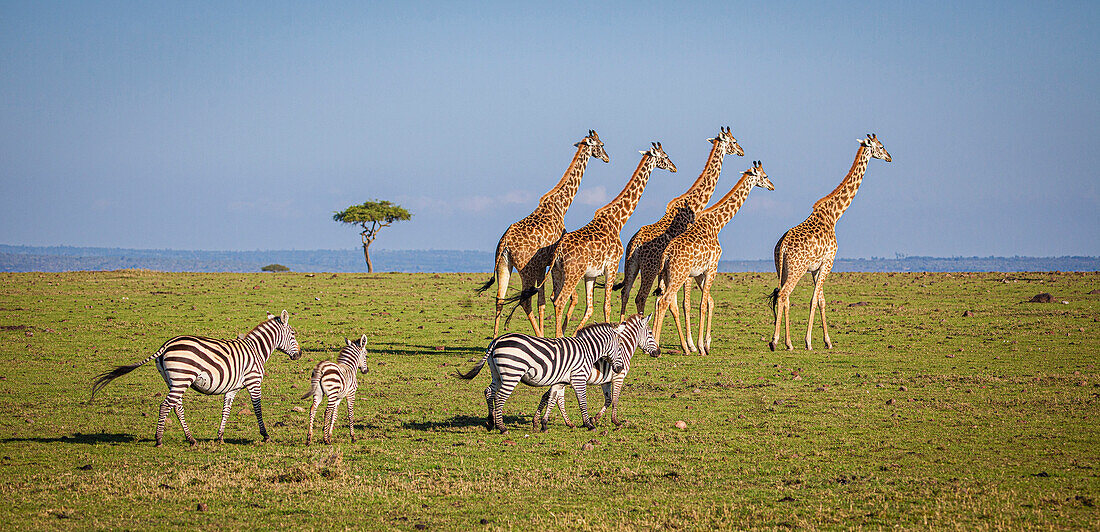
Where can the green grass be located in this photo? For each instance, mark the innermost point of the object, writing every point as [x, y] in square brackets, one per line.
[918, 418]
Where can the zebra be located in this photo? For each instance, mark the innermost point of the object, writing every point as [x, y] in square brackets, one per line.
[336, 381]
[212, 366]
[515, 358]
[635, 334]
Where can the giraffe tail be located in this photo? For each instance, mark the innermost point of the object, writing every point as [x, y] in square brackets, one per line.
[501, 256]
[618, 286]
[773, 300]
[103, 379]
[518, 300]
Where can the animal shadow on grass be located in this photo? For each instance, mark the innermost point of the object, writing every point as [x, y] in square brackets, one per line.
[420, 350]
[106, 437]
[85, 439]
[459, 422]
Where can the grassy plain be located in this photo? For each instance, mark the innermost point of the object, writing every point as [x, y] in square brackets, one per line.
[920, 417]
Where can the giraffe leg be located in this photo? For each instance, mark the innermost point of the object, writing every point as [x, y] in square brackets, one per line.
[589, 285]
[503, 273]
[609, 274]
[542, 310]
[687, 315]
[782, 310]
[531, 279]
[813, 308]
[225, 413]
[706, 312]
[630, 271]
[676, 316]
[659, 318]
[645, 283]
[819, 289]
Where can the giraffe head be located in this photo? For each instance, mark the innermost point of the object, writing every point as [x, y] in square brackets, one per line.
[663, 162]
[593, 147]
[726, 143]
[756, 177]
[878, 151]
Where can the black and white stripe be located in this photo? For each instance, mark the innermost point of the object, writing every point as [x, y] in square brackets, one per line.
[515, 358]
[336, 381]
[635, 334]
[212, 366]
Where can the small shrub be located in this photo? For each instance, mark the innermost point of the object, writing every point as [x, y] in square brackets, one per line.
[274, 268]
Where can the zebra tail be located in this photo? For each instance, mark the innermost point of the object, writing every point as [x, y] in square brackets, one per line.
[103, 379]
[314, 384]
[477, 368]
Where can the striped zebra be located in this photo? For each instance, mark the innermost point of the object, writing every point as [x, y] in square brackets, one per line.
[635, 334]
[212, 366]
[336, 381]
[515, 358]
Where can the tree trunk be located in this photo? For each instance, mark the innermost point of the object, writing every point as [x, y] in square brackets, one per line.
[366, 255]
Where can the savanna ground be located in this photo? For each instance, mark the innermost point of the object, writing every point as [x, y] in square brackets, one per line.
[920, 417]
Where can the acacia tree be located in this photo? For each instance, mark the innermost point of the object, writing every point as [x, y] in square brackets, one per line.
[371, 216]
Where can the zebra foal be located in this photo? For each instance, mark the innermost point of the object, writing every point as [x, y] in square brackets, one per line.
[212, 366]
[635, 334]
[336, 381]
[535, 361]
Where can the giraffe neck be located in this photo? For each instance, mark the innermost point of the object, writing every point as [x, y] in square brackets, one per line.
[718, 215]
[619, 209]
[558, 199]
[836, 202]
[702, 189]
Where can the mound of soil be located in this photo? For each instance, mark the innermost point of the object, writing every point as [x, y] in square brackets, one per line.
[1042, 298]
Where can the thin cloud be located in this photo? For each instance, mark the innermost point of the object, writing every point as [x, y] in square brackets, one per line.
[595, 196]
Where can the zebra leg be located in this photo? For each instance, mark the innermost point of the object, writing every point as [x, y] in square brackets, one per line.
[498, 405]
[183, 423]
[559, 399]
[616, 387]
[174, 397]
[225, 413]
[254, 392]
[351, 416]
[317, 398]
[330, 419]
[489, 397]
[606, 402]
[544, 407]
[580, 385]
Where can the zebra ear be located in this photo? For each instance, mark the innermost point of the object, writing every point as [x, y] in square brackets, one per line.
[645, 320]
[284, 317]
[363, 340]
[347, 342]
[270, 316]
[620, 328]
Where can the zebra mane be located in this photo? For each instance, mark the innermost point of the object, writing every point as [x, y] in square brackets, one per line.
[261, 326]
[592, 326]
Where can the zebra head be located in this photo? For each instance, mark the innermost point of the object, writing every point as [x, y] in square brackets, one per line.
[360, 349]
[620, 350]
[285, 339]
[643, 335]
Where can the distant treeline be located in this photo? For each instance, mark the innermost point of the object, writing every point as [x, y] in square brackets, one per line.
[67, 258]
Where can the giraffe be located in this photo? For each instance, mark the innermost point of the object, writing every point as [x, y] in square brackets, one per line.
[644, 251]
[528, 245]
[811, 245]
[596, 248]
[694, 254]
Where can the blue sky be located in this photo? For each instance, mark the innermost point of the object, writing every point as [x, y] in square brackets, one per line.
[206, 126]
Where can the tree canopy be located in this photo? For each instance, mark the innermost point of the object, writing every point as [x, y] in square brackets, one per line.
[371, 216]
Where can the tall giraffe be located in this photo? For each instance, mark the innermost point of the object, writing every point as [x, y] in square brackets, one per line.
[596, 248]
[643, 253]
[811, 245]
[528, 245]
[695, 254]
